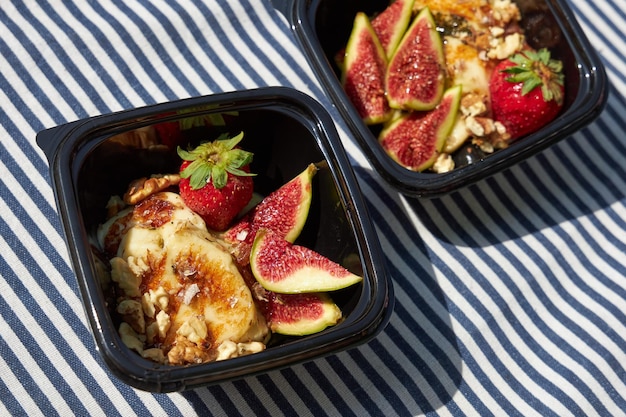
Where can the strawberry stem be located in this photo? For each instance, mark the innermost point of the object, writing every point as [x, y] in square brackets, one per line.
[213, 161]
[536, 69]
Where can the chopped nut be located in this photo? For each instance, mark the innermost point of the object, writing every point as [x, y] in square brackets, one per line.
[137, 265]
[164, 322]
[160, 297]
[249, 347]
[443, 163]
[148, 306]
[473, 104]
[130, 338]
[229, 349]
[194, 330]
[154, 354]
[501, 129]
[505, 11]
[184, 352]
[496, 31]
[142, 188]
[503, 48]
[152, 331]
[475, 126]
[226, 350]
[484, 145]
[132, 313]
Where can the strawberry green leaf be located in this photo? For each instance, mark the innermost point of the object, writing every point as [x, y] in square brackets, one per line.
[220, 177]
[536, 69]
[212, 161]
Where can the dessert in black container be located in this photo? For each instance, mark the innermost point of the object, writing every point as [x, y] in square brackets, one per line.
[322, 28]
[287, 131]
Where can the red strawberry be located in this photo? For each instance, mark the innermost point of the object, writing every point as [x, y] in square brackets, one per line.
[215, 180]
[526, 91]
[169, 133]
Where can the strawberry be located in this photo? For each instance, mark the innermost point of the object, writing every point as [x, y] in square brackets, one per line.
[169, 133]
[215, 180]
[526, 91]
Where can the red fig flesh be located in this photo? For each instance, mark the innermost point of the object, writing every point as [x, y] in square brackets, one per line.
[416, 72]
[298, 314]
[391, 24]
[284, 212]
[363, 77]
[416, 139]
[283, 267]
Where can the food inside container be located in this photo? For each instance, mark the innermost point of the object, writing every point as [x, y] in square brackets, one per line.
[144, 260]
[437, 78]
[200, 271]
[323, 29]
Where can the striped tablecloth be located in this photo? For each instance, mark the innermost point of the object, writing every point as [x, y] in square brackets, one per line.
[510, 294]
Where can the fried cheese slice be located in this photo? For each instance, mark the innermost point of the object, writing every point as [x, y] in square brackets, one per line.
[181, 297]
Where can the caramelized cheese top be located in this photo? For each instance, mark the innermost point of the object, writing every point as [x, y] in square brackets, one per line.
[190, 292]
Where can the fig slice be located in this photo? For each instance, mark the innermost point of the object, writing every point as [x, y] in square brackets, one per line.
[284, 212]
[415, 75]
[297, 314]
[286, 268]
[391, 24]
[416, 139]
[363, 75]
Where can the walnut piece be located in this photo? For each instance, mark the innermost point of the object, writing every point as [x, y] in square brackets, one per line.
[142, 188]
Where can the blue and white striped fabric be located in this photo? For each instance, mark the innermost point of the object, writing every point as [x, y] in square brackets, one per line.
[511, 294]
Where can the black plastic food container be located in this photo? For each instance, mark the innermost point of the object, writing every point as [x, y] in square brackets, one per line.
[322, 27]
[286, 130]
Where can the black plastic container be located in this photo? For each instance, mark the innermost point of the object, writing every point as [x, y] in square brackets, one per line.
[322, 27]
[286, 130]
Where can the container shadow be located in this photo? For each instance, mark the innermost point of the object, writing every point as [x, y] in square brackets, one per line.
[543, 192]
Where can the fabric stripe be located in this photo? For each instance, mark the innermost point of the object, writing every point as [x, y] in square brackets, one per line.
[279, 399]
[449, 274]
[14, 388]
[26, 377]
[24, 321]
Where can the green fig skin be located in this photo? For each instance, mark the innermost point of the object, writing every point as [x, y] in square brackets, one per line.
[363, 75]
[285, 268]
[416, 139]
[391, 24]
[415, 75]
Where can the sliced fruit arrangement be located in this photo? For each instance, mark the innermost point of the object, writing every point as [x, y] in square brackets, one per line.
[291, 281]
[211, 249]
[216, 184]
[505, 90]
